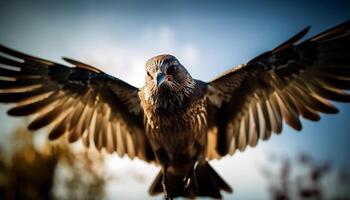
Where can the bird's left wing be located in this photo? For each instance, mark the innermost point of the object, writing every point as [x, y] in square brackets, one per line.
[80, 101]
[250, 102]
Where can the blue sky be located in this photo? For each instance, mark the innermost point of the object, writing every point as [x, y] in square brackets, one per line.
[208, 37]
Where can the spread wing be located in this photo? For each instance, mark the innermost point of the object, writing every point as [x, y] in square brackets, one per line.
[80, 102]
[250, 102]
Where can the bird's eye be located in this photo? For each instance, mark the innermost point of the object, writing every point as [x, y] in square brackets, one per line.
[171, 70]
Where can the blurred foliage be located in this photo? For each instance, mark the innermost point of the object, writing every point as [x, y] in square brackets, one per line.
[54, 171]
[306, 178]
[50, 172]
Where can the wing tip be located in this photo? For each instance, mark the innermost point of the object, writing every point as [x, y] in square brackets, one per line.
[291, 41]
[81, 65]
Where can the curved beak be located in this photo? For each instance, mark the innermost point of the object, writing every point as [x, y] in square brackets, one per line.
[160, 78]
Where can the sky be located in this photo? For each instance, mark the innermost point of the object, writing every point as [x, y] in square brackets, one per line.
[208, 38]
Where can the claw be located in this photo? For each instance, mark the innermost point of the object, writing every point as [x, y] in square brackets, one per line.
[187, 179]
[194, 175]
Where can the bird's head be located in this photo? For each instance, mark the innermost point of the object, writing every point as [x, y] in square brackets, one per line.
[167, 81]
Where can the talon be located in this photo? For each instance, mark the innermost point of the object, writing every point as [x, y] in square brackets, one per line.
[187, 181]
[192, 173]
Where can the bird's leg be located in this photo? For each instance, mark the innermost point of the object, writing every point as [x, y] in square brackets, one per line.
[192, 173]
[164, 185]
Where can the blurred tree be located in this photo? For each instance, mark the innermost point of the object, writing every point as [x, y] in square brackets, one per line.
[302, 179]
[53, 172]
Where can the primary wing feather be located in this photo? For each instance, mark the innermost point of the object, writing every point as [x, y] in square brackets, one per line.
[81, 102]
[249, 102]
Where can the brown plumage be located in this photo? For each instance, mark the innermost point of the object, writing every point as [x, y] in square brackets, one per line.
[174, 120]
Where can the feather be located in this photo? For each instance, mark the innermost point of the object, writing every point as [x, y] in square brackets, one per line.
[48, 117]
[252, 134]
[340, 72]
[19, 83]
[82, 65]
[262, 122]
[328, 93]
[28, 109]
[232, 147]
[110, 140]
[98, 131]
[8, 73]
[120, 141]
[242, 143]
[334, 82]
[23, 56]
[23, 96]
[130, 146]
[85, 138]
[314, 103]
[294, 79]
[80, 128]
[290, 42]
[78, 111]
[302, 109]
[272, 117]
[114, 134]
[73, 133]
[277, 112]
[80, 102]
[332, 33]
[60, 126]
[289, 114]
[267, 131]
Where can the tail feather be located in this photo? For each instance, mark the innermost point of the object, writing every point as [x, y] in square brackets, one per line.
[209, 184]
[156, 186]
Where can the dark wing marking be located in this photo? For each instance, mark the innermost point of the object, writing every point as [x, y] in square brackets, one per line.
[81, 102]
[249, 102]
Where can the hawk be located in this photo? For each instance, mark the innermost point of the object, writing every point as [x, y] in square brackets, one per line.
[176, 121]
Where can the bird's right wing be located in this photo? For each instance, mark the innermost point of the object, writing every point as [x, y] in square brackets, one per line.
[249, 102]
[80, 102]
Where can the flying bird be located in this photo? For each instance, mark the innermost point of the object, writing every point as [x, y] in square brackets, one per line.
[175, 121]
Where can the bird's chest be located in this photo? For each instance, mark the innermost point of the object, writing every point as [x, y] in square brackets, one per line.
[181, 119]
[177, 128]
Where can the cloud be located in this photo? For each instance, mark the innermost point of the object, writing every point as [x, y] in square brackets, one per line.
[126, 59]
[190, 54]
